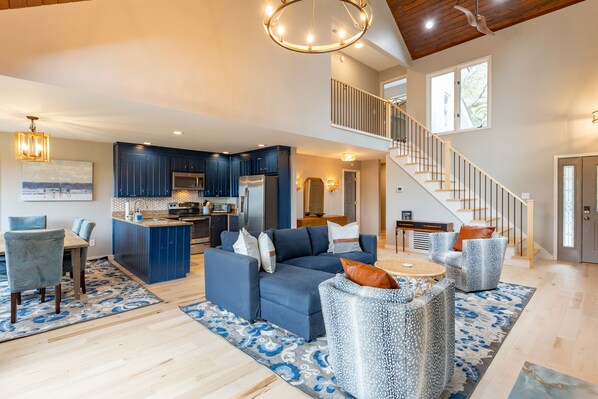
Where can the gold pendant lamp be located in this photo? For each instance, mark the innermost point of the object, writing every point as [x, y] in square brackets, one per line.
[32, 146]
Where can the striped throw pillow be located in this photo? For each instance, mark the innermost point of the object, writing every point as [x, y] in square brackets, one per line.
[343, 239]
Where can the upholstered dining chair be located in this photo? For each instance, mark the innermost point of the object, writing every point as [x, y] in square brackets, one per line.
[34, 261]
[18, 223]
[386, 343]
[67, 265]
[77, 225]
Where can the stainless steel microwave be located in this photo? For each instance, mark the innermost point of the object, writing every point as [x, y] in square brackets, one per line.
[188, 181]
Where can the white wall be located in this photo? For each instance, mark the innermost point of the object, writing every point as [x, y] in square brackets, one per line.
[62, 214]
[545, 86]
[349, 70]
[370, 200]
[324, 168]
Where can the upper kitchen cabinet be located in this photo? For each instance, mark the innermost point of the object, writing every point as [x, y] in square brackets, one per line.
[217, 177]
[139, 172]
[188, 164]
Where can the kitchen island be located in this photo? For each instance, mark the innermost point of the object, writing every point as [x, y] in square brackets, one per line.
[154, 249]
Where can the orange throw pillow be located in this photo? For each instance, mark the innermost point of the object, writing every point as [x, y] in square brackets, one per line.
[368, 275]
[472, 233]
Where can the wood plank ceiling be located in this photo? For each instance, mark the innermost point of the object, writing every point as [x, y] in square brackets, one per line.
[9, 4]
[450, 25]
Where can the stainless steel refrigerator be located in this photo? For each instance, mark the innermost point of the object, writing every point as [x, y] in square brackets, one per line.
[258, 207]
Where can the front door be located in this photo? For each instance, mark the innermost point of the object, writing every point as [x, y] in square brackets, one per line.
[578, 209]
[589, 245]
[350, 194]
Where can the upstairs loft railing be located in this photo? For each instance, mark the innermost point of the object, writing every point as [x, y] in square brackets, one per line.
[489, 201]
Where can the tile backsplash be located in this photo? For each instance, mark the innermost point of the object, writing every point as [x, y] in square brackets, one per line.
[161, 204]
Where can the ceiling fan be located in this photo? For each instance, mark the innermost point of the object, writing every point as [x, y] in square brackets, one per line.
[476, 20]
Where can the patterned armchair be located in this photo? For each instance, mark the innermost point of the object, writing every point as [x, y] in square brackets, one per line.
[386, 343]
[477, 268]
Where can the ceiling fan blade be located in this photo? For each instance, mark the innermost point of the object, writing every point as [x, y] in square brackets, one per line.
[471, 20]
[482, 26]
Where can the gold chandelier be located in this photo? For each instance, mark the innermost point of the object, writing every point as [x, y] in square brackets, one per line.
[32, 146]
[317, 26]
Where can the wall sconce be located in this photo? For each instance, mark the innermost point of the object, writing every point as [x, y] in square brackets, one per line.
[595, 116]
[32, 146]
[348, 156]
[331, 184]
[298, 184]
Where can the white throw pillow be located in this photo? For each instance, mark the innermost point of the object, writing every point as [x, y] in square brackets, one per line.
[343, 239]
[267, 253]
[247, 244]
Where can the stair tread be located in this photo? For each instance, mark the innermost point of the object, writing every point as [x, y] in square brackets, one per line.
[436, 181]
[483, 220]
[470, 209]
[449, 189]
[536, 251]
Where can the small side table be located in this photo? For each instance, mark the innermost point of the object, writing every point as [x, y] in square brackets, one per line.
[423, 273]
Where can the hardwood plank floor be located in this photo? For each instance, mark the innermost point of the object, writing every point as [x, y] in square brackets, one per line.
[159, 352]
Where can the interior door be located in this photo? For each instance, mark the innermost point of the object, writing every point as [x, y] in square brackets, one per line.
[589, 246]
[350, 195]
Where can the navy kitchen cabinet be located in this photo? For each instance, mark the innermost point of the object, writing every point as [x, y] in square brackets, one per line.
[131, 174]
[158, 180]
[188, 164]
[217, 226]
[217, 177]
[139, 172]
[235, 173]
[233, 223]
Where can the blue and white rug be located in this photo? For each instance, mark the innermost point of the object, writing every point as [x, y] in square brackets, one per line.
[539, 382]
[109, 291]
[482, 322]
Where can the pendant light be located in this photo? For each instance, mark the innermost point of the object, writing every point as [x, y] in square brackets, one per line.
[32, 146]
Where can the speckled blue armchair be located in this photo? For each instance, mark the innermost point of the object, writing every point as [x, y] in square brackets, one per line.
[477, 268]
[387, 344]
[85, 229]
[34, 261]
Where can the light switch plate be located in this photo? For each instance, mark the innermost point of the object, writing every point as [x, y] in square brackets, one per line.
[525, 196]
[92, 243]
[400, 189]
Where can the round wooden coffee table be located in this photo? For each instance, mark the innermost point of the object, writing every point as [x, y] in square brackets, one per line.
[422, 272]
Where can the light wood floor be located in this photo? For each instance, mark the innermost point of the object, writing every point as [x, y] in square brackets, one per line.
[159, 352]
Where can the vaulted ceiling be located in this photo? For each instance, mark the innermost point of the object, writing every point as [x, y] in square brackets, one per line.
[450, 25]
[6, 4]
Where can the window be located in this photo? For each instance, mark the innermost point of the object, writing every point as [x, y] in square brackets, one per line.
[459, 97]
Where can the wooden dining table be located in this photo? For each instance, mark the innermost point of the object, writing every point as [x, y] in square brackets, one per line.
[72, 243]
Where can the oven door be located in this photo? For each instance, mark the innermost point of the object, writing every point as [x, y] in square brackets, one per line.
[200, 233]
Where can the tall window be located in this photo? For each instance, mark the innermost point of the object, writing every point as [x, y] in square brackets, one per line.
[459, 97]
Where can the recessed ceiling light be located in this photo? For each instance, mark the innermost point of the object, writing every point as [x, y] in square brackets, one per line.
[429, 24]
[177, 132]
[147, 143]
[261, 145]
[225, 152]
[359, 45]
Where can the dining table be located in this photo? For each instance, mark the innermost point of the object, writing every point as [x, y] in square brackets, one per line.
[72, 243]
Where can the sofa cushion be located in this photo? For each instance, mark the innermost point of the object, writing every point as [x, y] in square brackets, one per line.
[322, 263]
[293, 287]
[291, 243]
[363, 257]
[229, 238]
[472, 233]
[368, 275]
[448, 258]
[318, 236]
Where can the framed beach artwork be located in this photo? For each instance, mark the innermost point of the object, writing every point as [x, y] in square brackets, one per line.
[57, 181]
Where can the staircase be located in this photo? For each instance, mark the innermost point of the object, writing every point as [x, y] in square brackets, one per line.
[469, 193]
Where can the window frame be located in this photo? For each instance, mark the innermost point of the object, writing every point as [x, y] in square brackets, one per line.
[456, 69]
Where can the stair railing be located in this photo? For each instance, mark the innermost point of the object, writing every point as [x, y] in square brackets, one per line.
[489, 200]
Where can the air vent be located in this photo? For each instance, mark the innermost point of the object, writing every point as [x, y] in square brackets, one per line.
[421, 241]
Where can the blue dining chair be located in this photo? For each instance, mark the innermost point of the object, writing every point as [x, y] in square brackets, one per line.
[18, 223]
[67, 265]
[77, 225]
[33, 261]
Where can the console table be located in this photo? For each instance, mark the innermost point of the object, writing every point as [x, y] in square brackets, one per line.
[426, 227]
[321, 221]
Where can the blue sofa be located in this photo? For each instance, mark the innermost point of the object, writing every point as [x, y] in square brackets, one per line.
[289, 297]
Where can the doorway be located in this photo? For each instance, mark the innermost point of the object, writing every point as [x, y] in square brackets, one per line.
[577, 204]
[351, 195]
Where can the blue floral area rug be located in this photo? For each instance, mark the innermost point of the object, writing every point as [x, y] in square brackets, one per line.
[482, 322]
[109, 291]
[539, 382]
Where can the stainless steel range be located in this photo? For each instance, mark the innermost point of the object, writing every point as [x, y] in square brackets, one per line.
[200, 228]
